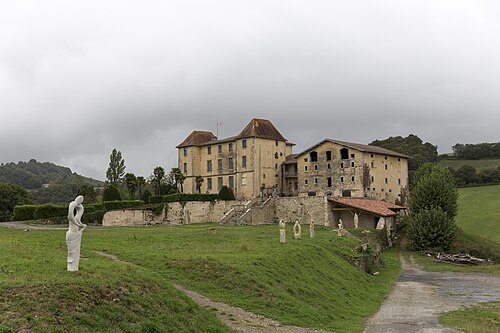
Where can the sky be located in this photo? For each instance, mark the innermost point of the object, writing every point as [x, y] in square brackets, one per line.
[79, 78]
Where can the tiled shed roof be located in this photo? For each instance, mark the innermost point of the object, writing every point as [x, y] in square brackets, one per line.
[358, 146]
[375, 207]
[197, 138]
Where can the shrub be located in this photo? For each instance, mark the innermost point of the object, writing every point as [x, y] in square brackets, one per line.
[111, 193]
[182, 197]
[94, 217]
[114, 205]
[145, 196]
[432, 229]
[50, 210]
[226, 193]
[24, 212]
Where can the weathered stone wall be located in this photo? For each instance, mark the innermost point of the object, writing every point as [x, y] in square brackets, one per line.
[316, 208]
[263, 214]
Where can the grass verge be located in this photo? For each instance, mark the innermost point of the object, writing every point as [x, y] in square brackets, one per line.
[484, 318]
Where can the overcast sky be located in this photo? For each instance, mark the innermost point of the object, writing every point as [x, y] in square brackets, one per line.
[79, 78]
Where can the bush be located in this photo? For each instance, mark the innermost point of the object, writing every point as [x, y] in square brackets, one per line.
[226, 193]
[115, 205]
[145, 196]
[183, 197]
[94, 217]
[24, 212]
[50, 210]
[111, 193]
[432, 229]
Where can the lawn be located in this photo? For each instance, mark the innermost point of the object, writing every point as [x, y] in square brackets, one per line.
[306, 283]
[479, 165]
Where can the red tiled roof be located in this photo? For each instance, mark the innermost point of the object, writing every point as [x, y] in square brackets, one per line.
[376, 207]
[360, 147]
[197, 138]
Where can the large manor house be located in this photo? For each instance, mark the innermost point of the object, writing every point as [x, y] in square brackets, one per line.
[260, 161]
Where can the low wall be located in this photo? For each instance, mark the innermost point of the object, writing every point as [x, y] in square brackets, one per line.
[174, 213]
[303, 208]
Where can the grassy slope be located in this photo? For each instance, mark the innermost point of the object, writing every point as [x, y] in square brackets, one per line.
[478, 164]
[479, 211]
[305, 283]
[475, 319]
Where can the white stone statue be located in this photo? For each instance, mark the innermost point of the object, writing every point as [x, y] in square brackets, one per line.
[297, 230]
[381, 224]
[356, 220]
[341, 227]
[74, 233]
[282, 232]
[311, 229]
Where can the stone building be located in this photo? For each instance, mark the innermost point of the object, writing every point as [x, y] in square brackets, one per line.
[249, 162]
[345, 169]
[260, 159]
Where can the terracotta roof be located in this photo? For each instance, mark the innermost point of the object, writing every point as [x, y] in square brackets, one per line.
[360, 147]
[197, 138]
[261, 128]
[291, 159]
[376, 207]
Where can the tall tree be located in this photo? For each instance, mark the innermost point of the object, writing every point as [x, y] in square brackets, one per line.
[157, 179]
[131, 184]
[116, 168]
[179, 178]
[10, 196]
[433, 207]
[199, 181]
[88, 193]
[141, 181]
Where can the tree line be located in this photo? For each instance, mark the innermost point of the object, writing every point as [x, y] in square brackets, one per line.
[476, 151]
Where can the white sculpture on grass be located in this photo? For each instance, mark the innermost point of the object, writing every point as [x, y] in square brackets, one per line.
[341, 228]
[74, 233]
[297, 230]
[311, 229]
[356, 220]
[282, 232]
[381, 224]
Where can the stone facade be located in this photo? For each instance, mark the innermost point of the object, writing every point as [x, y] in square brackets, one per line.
[304, 209]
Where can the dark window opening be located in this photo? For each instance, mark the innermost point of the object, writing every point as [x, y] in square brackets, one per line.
[244, 143]
[185, 151]
[209, 183]
[314, 156]
[219, 147]
[231, 181]
[209, 150]
[328, 155]
[344, 153]
[276, 155]
[230, 147]
[329, 182]
[243, 161]
[346, 193]
[209, 166]
[352, 155]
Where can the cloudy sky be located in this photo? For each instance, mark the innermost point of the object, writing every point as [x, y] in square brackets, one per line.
[79, 78]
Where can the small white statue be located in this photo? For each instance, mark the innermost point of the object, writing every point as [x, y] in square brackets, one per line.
[341, 227]
[297, 230]
[282, 232]
[311, 229]
[356, 220]
[381, 224]
[74, 233]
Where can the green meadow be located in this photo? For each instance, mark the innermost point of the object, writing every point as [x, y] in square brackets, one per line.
[308, 282]
[479, 165]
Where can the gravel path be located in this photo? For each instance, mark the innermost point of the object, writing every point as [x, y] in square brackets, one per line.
[418, 298]
[25, 226]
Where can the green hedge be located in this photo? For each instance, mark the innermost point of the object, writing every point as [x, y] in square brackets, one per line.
[114, 205]
[154, 199]
[94, 217]
[50, 210]
[24, 212]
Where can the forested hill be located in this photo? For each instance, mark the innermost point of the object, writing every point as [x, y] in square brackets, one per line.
[46, 182]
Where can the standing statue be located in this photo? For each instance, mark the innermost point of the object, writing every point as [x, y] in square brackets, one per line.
[381, 224]
[282, 232]
[341, 227]
[356, 220]
[311, 229]
[297, 230]
[74, 233]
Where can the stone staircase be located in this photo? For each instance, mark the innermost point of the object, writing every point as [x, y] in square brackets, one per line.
[243, 214]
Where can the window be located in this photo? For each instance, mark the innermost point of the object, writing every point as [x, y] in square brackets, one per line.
[371, 155]
[243, 161]
[230, 147]
[219, 165]
[315, 167]
[342, 179]
[328, 166]
[185, 167]
[399, 181]
[352, 164]
[306, 182]
[305, 159]
[209, 183]
[264, 176]
[399, 160]
[305, 168]
[209, 166]
[185, 151]
[231, 181]
[219, 148]
[276, 143]
[341, 165]
[329, 182]
[314, 156]
[385, 157]
[344, 153]
[352, 179]
[244, 143]
[219, 183]
[328, 155]
[386, 181]
[231, 164]
[346, 193]
[209, 150]
[276, 155]
[316, 181]
[276, 166]
[372, 164]
[352, 155]
[372, 179]
[386, 166]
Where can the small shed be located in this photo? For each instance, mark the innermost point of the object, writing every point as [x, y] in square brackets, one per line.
[369, 212]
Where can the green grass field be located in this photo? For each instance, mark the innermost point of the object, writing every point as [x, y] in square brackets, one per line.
[306, 283]
[478, 164]
[479, 211]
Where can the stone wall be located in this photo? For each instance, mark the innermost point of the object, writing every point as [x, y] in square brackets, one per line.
[304, 208]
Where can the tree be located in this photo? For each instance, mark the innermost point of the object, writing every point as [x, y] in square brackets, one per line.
[131, 184]
[116, 168]
[145, 196]
[226, 193]
[157, 179]
[141, 181]
[433, 207]
[10, 196]
[179, 178]
[88, 192]
[199, 181]
[111, 193]
[466, 174]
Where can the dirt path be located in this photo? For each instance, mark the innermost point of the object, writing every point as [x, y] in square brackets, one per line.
[418, 298]
[22, 225]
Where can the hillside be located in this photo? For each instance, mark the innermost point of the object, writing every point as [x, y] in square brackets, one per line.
[46, 182]
[479, 165]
